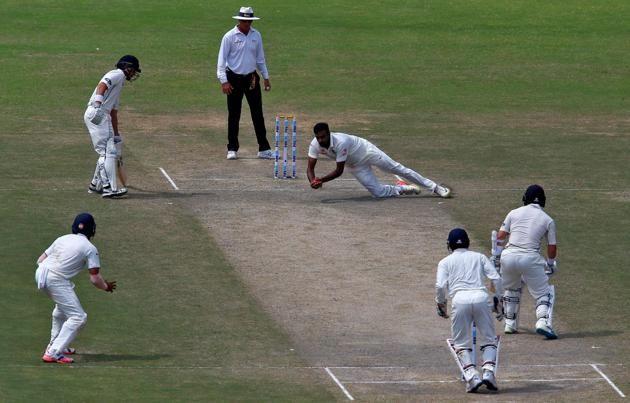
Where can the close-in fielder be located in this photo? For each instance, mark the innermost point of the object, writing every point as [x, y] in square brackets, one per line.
[521, 261]
[461, 275]
[359, 156]
[63, 260]
[101, 119]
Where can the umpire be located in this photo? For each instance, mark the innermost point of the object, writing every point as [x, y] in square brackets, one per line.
[240, 55]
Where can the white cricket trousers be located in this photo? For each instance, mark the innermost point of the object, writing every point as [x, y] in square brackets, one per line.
[102, 136]
[364, 174]
[68, 317]
[517, 264]
[470, 306]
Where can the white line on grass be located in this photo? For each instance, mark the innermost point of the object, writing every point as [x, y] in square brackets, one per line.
[169, 178]
[457, 381]
[611, 383]
[334, 378]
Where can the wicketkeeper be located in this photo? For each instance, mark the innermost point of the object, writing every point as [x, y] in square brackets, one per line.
[63, 260]
[462, 275]
[101, 119]
[521, 261]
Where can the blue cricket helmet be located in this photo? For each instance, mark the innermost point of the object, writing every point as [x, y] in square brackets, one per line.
[534, 194]
[84, 224]
[458, 238]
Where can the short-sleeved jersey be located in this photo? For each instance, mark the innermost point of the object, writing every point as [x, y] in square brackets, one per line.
[69, 254]
[463, 270]
[115, 80]
[527, 226]
[344, 147]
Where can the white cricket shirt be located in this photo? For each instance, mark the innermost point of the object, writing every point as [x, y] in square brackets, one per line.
[344, 147]
[241, 53]
[115, 80]
[527, 226]
[463, 270]
[69, 254]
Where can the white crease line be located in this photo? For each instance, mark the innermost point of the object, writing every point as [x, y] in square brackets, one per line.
[453, 381]
[169, 178]
[334, 378]
[611, 383]
[457, 381]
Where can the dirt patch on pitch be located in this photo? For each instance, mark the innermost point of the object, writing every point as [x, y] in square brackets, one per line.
[351, 278]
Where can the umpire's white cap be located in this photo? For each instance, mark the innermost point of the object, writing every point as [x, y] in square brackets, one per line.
[246, 13]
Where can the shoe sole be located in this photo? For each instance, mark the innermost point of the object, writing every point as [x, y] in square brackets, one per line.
[549, 336]
[401, 180]
[490, 386]
[53, 361]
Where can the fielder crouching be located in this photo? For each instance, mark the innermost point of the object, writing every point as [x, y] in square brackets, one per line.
[461, 274]
[63, 260]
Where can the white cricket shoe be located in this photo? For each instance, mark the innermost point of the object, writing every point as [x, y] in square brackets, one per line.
[408, 189]
[474, 384]
[489, 380]
[231, 155]
[266, 155]
[543, 329]
[442, 191]
[510, 329]
[110, 194]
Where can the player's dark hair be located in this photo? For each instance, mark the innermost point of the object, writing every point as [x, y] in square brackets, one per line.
[321, 126]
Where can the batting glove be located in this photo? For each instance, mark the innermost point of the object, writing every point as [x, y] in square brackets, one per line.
[96, 115]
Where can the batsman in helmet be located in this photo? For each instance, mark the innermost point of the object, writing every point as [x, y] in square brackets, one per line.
[517, 250]
[101, 119]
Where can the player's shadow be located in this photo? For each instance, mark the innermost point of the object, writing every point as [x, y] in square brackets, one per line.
[370, 199]
[529, 388]
[97, 357]
[588, 334]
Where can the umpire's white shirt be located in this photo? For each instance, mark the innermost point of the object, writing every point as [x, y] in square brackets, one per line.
[114, 80]
[527, 226]
[68, 255]
[344, 147]
[241, 53]
[463, 270]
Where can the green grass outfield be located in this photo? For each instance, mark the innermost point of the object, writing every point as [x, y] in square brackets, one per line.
[489, 96]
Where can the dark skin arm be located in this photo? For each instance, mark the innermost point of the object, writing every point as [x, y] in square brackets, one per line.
[99, 282]
[316, 182]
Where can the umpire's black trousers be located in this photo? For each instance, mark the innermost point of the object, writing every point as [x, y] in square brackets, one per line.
[248, 85]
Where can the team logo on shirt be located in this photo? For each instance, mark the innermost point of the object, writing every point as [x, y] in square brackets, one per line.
[108, 81]
[344, 152]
